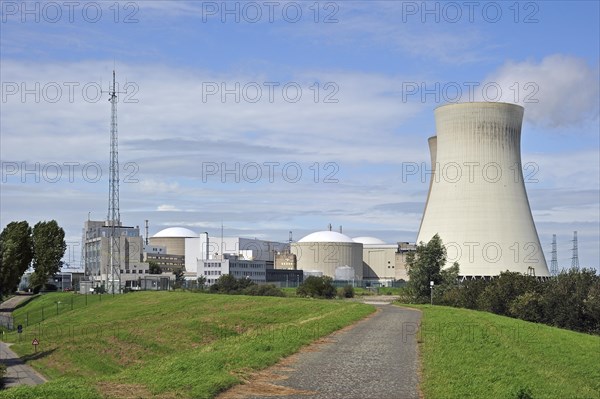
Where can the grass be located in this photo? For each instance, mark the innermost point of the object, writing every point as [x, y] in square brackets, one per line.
[169, 344]
[50, 305]
[471, 354]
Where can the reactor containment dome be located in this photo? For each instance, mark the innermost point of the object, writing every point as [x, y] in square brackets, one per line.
[175, 232]
[477, 202]
[325, 251]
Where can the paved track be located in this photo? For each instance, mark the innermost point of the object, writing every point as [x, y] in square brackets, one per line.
[374, 359]
[17, 372]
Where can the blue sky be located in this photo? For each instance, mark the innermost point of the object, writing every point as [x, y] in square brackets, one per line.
[365, 126]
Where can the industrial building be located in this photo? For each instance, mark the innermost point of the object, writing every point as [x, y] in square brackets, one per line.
[167, 248]
[96, 255]
[208, 248]
[286, 261]
[325, 251]
[383, 262]
[477, 202]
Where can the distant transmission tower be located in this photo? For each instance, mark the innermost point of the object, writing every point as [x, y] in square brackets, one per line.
[114, 215]
[575, 258]
[554, 262]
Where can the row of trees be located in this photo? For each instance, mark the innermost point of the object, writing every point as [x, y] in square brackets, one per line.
[314, 287]
[570, 300]
[42, 246]
[227, 284]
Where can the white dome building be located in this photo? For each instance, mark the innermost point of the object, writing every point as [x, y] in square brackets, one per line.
[173, 238]
[175, 232]
[327, 250]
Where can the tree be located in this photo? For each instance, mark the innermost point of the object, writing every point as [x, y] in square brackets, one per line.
[570, 300]
[201, 282]
[317, 287]
[504, 289]
[48, 249]
[16, 253]
[528, 306]
[466, 295]
[425, 265]
[227, 284]
[179, 278]
[154, 267]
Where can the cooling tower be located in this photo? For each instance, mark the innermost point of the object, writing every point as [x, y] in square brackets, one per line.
[477, 201]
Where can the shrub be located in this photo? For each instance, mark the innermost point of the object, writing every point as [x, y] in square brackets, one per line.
[528, 306]
[569, 298]
[501, 291]
[346, 291]
[317, 287]
[523, 393]
[227, 284]
[263, 290]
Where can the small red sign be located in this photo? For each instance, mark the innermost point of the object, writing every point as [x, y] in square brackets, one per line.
[35, 342]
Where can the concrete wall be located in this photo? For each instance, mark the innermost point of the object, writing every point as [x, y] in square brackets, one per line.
[379, 261]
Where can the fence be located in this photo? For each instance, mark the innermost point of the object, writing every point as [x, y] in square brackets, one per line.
[6, 321]
[40, 313]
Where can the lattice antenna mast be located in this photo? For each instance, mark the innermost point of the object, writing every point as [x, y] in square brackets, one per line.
[575, 258]
[554, 262]
[114, 215]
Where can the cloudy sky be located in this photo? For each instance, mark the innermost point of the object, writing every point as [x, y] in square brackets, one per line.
[270, 117]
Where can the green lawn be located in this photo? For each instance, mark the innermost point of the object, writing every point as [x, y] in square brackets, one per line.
[167, 344]
[471, 354]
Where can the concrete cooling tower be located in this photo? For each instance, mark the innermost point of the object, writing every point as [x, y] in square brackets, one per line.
[477, 201]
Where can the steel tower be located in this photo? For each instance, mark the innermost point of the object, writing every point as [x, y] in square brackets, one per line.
[554, 261]
[114, 217]
[575, 258]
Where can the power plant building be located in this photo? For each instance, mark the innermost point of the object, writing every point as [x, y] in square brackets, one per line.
[198, 249]
[167, 248]
[477, 202]
[325, 251]
[384, 262]
[96, 255]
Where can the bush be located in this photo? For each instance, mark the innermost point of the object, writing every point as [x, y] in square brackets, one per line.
[529, 307]
[501, 291]
[346, 291]
[227, 284]
[523, 393]
[317, 287]
[263, 290]
[570, 299]
[2, 372]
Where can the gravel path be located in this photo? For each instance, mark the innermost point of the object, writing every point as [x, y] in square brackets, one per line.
[375, 359]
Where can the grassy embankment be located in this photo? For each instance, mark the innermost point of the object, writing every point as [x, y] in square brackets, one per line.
[168, 344]
[471, 354]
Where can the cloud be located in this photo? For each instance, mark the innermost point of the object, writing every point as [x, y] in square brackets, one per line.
[560, 90]
[167, 208]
